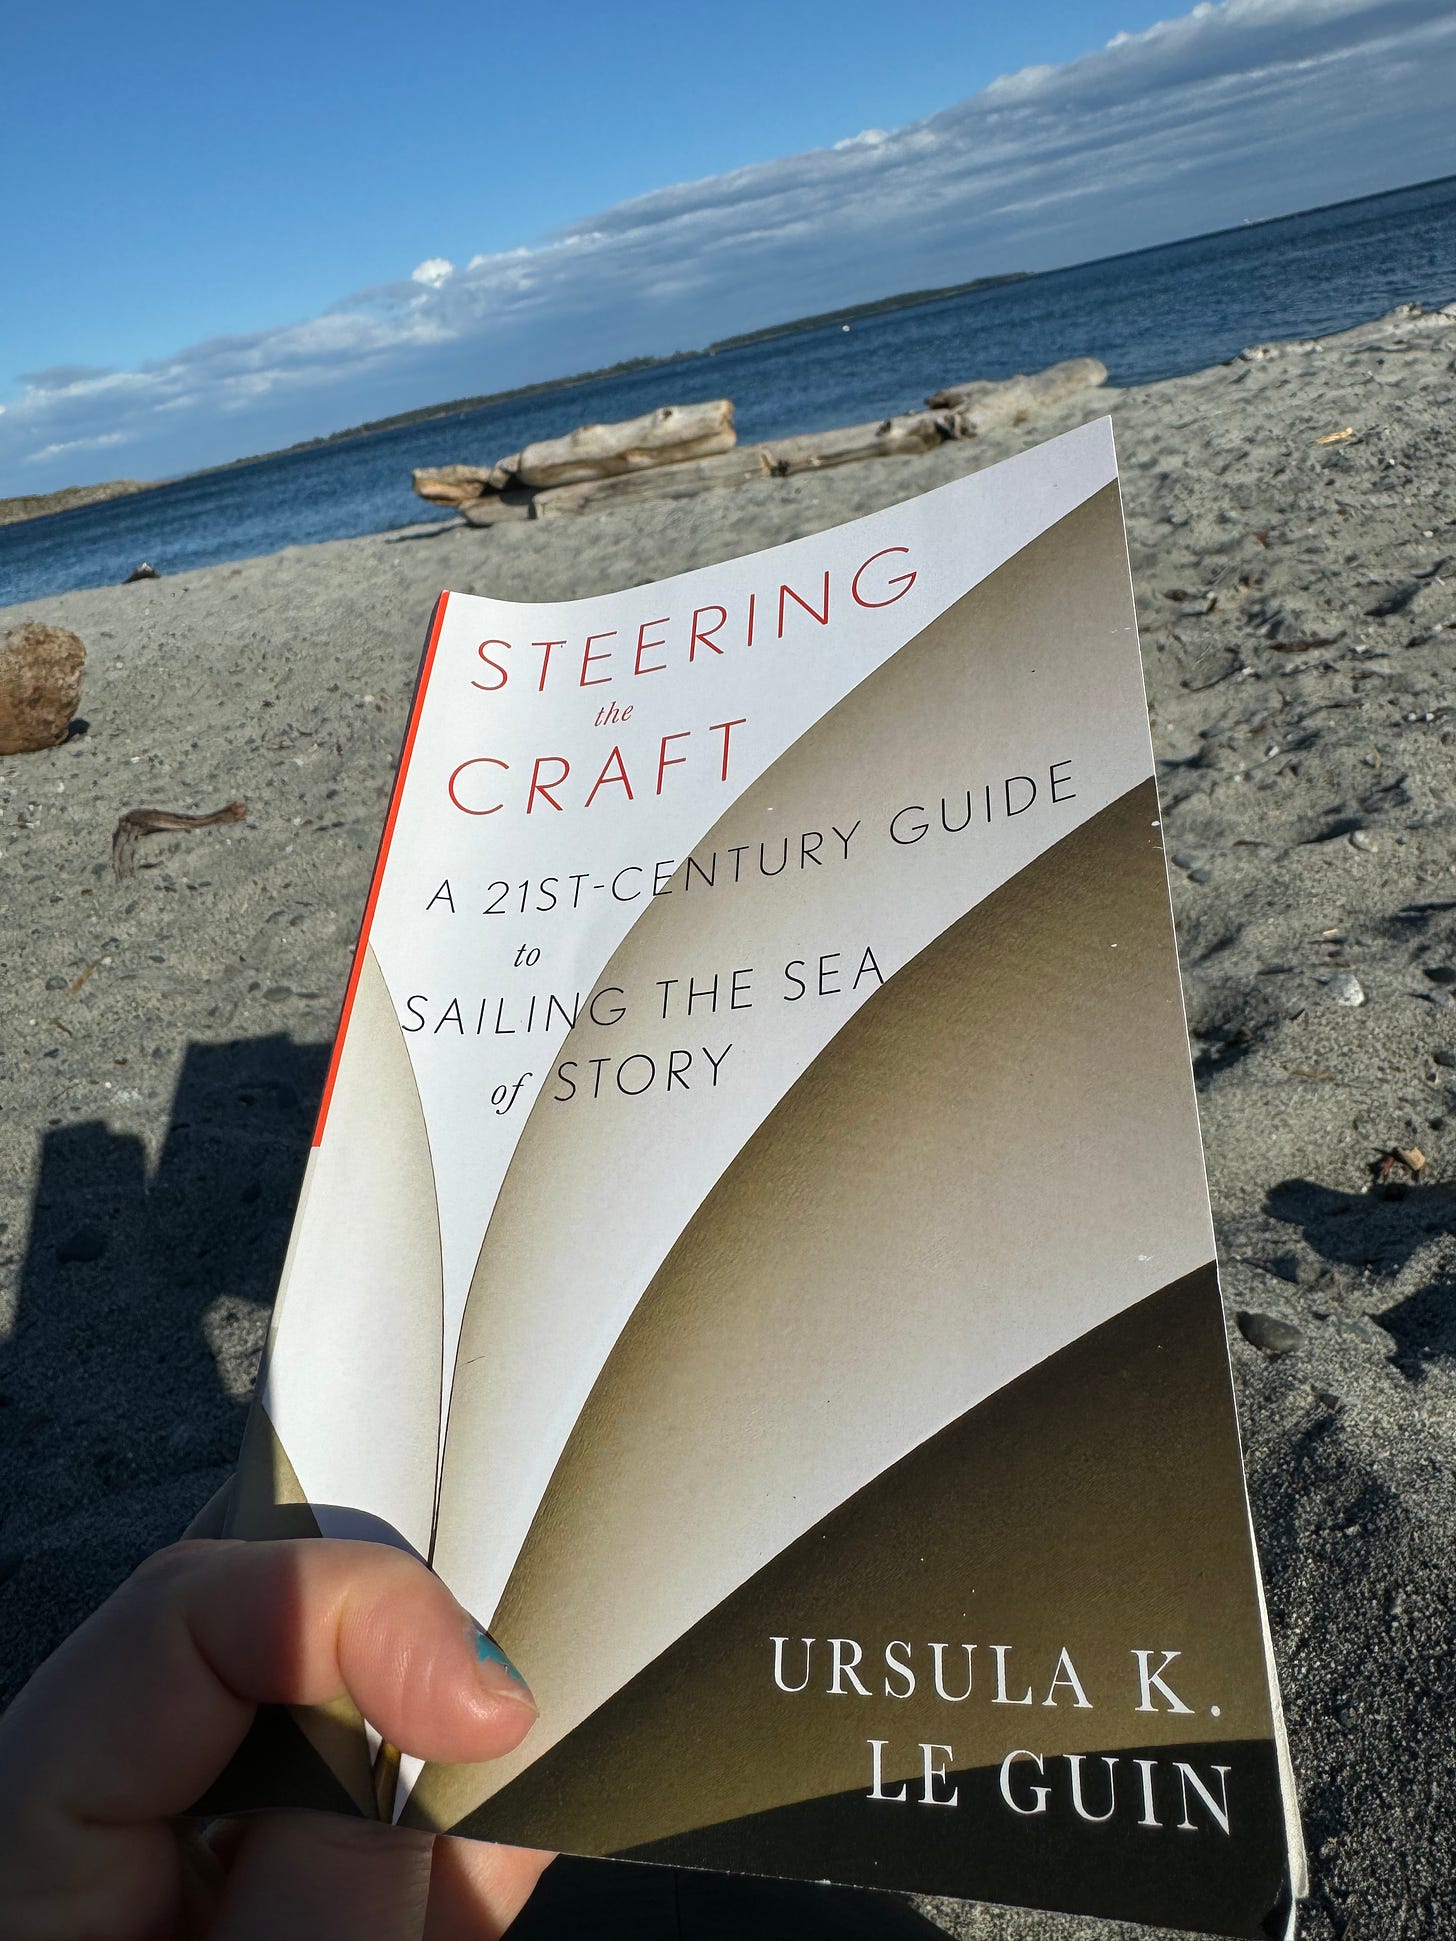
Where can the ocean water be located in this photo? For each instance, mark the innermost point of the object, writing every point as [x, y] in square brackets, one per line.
[1154, 314]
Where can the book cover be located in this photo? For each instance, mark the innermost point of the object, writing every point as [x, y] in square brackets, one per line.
[756, 1247]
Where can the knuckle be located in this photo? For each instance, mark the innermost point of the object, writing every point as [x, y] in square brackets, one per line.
[165, 1569]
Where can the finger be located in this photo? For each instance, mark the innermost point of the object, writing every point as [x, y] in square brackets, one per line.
[320, 1877]
[477, 1889]
[141, 1709]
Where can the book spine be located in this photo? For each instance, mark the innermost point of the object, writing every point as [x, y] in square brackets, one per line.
[422, 682]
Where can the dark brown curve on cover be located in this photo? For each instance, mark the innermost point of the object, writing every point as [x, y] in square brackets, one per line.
[1095, 1504]
[1170, 1876]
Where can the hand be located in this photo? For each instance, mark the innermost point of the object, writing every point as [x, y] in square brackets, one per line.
[142, 1708]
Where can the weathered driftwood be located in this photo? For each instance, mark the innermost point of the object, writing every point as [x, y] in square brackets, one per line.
[812, 451]
[681, 450]
[137, 823]
[451, 484]
[40, 686]
[1405, 320]
[497, 509]
[985, 404]
[669, 436]
[683, 481]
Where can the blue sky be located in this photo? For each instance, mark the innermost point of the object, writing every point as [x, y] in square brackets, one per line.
[225, 229]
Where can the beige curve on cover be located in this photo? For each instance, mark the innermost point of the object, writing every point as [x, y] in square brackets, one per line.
[998, 1153]
[1034, 667]
[351, 1383]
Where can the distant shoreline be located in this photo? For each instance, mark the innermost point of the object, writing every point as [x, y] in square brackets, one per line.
[69, 497]
[36, 505]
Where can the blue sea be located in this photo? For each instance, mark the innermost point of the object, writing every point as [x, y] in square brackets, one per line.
[1154, 314]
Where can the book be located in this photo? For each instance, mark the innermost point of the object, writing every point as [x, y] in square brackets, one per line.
[756, 1248]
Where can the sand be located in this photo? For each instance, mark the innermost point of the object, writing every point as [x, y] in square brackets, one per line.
[164, 1038]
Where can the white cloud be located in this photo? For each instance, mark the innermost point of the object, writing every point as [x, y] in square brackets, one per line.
[1247, 107]
[95, 443]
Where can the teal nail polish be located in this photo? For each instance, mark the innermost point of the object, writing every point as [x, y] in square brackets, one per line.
[488, 1652]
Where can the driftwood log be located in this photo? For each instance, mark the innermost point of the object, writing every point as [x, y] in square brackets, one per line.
[681, 481]
[1405, 320]
[669, 436]
[985, 404]
[460, 484]
[500, 508]
[683, 449]
[451, 484]
[919, 431]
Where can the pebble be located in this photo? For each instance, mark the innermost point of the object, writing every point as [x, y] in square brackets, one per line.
[59, 983]
[1347, 989]
[1268, 1332]
[1291, 1267]
[1445, 1057]
[1362, 839]
[1438, 974]
[1197, 868]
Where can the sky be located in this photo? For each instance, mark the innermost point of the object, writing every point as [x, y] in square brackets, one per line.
[223, 230]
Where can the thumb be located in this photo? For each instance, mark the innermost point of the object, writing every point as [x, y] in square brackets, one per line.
[142, 1708]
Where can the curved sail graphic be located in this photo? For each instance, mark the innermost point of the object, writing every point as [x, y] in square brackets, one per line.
[825, 613]
[860, 1278]
[921, 744]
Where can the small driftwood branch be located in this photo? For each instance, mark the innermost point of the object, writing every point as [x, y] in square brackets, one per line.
[137, 823]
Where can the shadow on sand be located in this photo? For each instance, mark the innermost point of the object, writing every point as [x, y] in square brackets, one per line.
[1382, 1231]
[140, 1286]
[142, 1305]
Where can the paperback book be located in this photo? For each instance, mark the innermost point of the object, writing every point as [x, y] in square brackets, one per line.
[755, 1245]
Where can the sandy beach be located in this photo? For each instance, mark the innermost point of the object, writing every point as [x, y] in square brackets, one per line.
[163, 1038]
